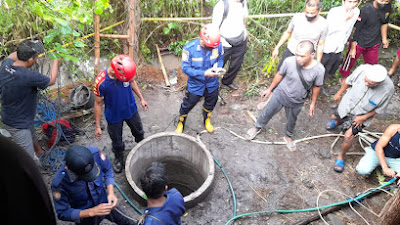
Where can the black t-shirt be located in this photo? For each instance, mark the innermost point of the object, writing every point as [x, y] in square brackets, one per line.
[24, 196]
[368, 25]
[18, 89]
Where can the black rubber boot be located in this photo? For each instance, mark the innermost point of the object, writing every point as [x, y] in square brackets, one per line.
[118, 164]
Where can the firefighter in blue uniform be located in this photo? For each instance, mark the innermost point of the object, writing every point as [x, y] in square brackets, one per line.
[78, 188]
[202, 61]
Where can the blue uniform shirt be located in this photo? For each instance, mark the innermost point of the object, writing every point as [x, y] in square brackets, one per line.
[119, 102]
[170, 212]
[71, 196]
[195, 61]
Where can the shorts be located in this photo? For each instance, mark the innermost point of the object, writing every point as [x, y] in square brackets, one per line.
[347, 122]
[24, 138]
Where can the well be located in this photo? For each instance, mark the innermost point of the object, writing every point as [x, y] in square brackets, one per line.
[189, 165]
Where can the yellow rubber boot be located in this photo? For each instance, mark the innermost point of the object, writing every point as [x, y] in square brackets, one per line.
[207, 121]
[181, 124]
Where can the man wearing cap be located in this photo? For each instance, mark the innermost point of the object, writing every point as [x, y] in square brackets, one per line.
[369, 91]
[19, 88]
[78, 188]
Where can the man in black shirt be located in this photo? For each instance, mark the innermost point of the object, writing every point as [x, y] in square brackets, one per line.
[371, 30]
[19, 88]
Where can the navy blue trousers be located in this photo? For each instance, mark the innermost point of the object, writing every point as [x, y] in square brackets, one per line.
[190, 100]
[115, 132]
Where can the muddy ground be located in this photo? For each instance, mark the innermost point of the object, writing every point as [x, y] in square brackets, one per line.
[264, 177]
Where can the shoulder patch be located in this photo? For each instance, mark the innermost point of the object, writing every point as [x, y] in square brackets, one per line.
[185, 55]
[56, 195]
[99, 80]
[103, 156]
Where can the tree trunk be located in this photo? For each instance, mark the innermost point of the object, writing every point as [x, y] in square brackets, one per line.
[390, 214]
[126, 43]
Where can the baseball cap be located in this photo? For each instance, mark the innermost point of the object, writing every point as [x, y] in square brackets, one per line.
[376, 73]
[80, 161]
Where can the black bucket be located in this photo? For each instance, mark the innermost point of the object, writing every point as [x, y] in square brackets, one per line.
[81, 97]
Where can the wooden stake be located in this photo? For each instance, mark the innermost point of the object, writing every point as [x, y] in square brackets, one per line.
[96, 45]
[251, 116]
[131, 39]
[163, 68]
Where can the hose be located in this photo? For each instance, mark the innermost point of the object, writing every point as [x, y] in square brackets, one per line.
[127, 199]
[315, 208]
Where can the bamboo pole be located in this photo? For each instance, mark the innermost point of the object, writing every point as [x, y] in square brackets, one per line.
[85, 37]
[131, 34]
[116, 36]
[96, 44]
[162, 67]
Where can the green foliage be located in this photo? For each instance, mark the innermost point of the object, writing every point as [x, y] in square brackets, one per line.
[53, 21]
[177, 46]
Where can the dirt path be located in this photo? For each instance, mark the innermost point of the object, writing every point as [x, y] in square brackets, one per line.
[264, 177]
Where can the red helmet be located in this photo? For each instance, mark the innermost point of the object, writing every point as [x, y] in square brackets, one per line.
[210, 36]
[124, 67]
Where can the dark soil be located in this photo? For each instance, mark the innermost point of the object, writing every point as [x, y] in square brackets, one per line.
[264, 177]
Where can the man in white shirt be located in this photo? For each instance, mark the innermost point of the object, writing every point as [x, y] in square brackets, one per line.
[341, 21]
[229, 16]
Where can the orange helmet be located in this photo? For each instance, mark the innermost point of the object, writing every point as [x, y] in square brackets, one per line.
[124, 67]
[210, 36]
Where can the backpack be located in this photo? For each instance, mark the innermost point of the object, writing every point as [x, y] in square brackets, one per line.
[232, 41]
[68, 131]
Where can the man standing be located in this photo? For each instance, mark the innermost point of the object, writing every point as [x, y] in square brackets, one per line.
[78, 188]
[370, 93]
[230, 17]
[202, 61]
[292, 83]
[113, 88]
[340, 20]
[19, 88]
[384, 152]
[164, 207]
[304, 26]
[371, 30]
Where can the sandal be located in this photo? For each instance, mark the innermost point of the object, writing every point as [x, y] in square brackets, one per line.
[252, 133]
[339, 163]
[331, 125]
[290, 145]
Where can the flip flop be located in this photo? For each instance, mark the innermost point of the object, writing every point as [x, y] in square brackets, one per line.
[252, 133]
[339, 163]
[331, 125]
[290, 145]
